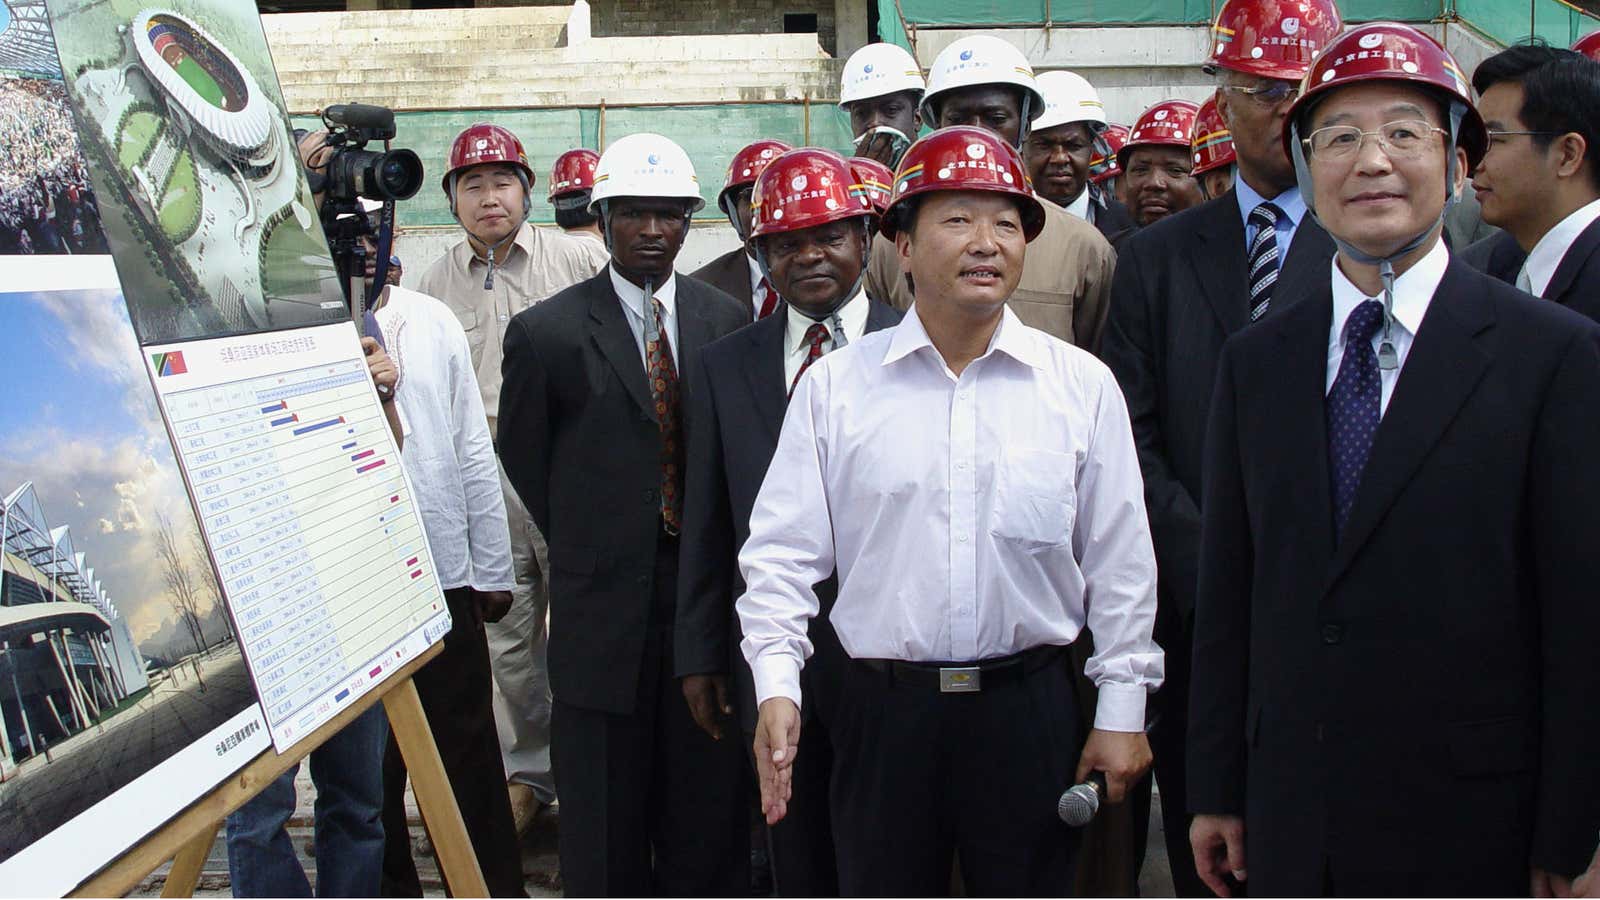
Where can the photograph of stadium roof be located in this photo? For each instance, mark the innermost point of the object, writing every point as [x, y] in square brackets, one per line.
[115, 651]
[208, 216]
[25, 45]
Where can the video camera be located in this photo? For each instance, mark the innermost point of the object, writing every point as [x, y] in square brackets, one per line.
[352, 174]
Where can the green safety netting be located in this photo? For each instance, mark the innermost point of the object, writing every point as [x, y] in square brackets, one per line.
[1503, 21]
[711, 134]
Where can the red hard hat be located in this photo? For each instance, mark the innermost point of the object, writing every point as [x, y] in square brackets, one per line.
[1389, 51]
[1104, 167]
[963, 158]
[803, 189]
[1272, 38]
[573, 172]
[747, 165]
[1213, 143]
[485, 143]
[1169, 123]
[874, 179]
[1589, 45]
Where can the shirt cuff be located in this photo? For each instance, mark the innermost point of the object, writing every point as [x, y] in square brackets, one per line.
[1120, 708]
[776, 675]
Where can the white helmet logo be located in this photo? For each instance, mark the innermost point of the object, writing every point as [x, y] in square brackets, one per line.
[766, 153]
[799, 183]
[976, 151]
[1291, 25]
[1160, 115]
[1369, 41]
[482, 144]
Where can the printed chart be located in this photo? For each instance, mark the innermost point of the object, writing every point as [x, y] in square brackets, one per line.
[307, 513]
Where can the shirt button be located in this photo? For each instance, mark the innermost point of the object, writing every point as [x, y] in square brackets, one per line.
[1332, 634]
[649, 495]
[643, 579]
[962, 539]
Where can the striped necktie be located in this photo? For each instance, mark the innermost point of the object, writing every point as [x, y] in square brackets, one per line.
[1263, 258]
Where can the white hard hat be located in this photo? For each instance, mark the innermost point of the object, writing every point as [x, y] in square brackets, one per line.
[980, 59]
[645, 165]
[1068, 98]
[879, 69]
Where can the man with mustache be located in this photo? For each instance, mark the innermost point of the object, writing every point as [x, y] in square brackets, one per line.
[736, 272]
[972, 482]
[501, 266]
[1393, 636]
[1156, 167]
[813, 240]
[1060, 146]
[593, 419]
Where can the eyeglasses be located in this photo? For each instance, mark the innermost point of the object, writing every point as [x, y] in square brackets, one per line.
[1405, 139]
[1501, 134]
[1267, 94]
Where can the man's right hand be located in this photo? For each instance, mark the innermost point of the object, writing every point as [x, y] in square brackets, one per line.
[777, 742]
[1218, 843]
[707, 696]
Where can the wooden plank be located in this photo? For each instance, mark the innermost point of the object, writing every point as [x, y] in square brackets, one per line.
[431, 785]
[124, 874]
[188, 864]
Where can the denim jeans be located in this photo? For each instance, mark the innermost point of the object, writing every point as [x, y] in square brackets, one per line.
[348, 773]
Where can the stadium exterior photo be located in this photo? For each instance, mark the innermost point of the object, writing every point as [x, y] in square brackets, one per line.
[67, 659]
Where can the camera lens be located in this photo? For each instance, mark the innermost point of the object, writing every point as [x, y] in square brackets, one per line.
[399, 174]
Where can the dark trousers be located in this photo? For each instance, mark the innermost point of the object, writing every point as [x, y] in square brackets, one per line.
[455, 689]
[1168, 732]
[922, 777]
[650, 804]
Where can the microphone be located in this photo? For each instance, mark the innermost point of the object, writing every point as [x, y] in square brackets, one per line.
[1077, 807]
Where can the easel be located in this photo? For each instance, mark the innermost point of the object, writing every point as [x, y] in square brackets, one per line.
[187, 839]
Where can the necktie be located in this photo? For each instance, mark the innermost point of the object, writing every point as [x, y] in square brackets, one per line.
[1353, 407]
[815, 335]
[769, 300]
[1263, 258]
[664, 391]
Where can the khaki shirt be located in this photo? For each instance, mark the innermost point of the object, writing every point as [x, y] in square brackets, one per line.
[1066, 279]
[538, 264]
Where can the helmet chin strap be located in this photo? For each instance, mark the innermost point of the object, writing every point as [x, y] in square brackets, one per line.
[491, 249]
[1388, 358]
[831, 315]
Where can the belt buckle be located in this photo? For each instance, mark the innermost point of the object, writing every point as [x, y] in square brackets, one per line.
[967, 680]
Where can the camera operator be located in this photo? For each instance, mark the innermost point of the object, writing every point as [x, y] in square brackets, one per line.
[501, 266]
[346, 769]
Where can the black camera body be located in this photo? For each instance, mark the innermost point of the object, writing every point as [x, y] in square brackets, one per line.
[354, 172]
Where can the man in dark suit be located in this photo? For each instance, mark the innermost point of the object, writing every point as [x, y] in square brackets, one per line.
[1060, 145]
[816, 256]
[592, 429]
[735, 273]
[1393, 641]
[1182, 286]
[1540, 180]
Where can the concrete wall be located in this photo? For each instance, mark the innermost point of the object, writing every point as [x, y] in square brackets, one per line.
[711, 17]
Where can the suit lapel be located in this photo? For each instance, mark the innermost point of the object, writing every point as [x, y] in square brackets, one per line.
[1219, 261]
[609, 329]
[1299, 428]
[1308, 262]
[694, 328]
[880, 316]
[1441, 371]
[764, 371]
[1577, 256]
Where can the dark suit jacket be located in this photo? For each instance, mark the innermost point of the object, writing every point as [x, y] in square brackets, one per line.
[579, 441]
[1415, 700]
[1180, 291]
[740, 397]
[1114, 221]
[730, 274]
[1576, 283]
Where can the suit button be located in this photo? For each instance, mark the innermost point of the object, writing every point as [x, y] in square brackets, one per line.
[1332, 634]
[643, 579]
[650, 495]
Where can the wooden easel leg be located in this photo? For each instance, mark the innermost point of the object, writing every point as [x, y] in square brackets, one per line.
[435, 799]
[189, 863]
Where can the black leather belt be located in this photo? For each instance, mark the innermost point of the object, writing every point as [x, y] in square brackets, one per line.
[968, 678]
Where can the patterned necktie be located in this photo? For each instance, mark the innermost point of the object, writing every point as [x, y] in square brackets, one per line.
[769, 301]
[815, 335]
[1263, 258]
[1353, 407]
[664, 390]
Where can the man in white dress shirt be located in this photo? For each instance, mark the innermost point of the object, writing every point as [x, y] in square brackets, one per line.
[1540, 180]
[973, 482]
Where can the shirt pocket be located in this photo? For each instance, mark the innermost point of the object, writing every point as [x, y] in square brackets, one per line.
[1035, 503]
[475, 331]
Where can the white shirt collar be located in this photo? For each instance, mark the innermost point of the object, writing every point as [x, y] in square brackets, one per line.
[1012, 338]
[852, 315]
[1546, 255]
[755, 273]
[1413, 291]
[1288, 202]
[632, 296]
[1080, 206]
